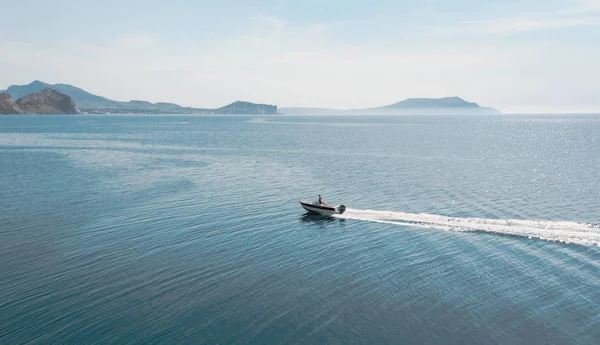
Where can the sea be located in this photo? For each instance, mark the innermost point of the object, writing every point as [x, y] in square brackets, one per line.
[119, 229]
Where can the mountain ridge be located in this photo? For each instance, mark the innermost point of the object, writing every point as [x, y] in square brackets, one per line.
[94, 104]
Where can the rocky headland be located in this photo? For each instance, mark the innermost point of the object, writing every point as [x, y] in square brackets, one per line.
[8, 105]
[47, 101]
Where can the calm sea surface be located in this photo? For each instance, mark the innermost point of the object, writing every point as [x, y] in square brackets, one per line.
[187, 229]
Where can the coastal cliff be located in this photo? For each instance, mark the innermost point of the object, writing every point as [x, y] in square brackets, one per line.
[47, 101]
[8, 105]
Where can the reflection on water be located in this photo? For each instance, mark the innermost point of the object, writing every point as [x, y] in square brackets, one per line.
[319, 219]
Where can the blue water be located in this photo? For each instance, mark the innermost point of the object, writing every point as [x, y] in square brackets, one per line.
[150, 229]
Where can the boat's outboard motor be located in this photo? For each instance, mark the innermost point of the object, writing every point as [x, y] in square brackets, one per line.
[342, 209]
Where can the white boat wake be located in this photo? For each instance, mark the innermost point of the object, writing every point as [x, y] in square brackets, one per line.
[557, 231]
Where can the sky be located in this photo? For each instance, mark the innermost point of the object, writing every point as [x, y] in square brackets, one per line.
[520, 56]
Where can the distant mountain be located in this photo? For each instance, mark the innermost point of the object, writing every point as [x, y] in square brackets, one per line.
[94, 104]
[83, 98]
[447, 105]
[47, 101]
[241, 107]
[425, 103]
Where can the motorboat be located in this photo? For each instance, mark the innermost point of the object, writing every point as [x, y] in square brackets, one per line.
[322, 209]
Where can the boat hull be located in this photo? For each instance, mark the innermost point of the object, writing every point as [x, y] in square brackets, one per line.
[326, 210]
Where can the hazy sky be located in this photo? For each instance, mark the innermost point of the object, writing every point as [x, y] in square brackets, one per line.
[515, 55]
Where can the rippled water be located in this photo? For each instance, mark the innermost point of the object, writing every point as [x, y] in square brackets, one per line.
[173, 229]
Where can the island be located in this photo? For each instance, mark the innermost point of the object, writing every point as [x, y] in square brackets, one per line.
[410, 106]
[241, 107]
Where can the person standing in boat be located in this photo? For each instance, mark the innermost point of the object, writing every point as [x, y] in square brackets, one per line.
[321, 201]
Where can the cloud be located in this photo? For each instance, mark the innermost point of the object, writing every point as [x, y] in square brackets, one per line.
[270, 25]
[573, 13]
[583, 7]
[139, 40]
[520, 25]
[318, 28]
[9, 43]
